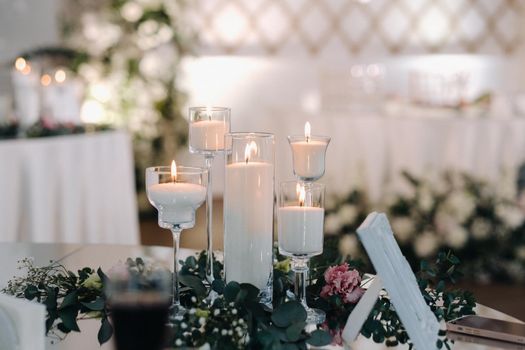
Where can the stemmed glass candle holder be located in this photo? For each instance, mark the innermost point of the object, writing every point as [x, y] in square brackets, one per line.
[300, 229]
[208, 125]
[248, 210]
[176, 192]
[309, 153]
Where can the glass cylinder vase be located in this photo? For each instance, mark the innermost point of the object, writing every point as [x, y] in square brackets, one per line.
[248, 210]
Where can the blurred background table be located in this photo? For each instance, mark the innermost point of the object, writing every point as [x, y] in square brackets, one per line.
[75, 189]
[76, 256]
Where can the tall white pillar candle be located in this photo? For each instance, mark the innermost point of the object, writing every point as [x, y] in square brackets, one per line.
[248, 210]
[301, 230]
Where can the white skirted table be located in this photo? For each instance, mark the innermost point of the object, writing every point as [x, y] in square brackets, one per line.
[106, 256]
[74, 189]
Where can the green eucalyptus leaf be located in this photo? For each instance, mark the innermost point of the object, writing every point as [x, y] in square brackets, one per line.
[290, 312]
[231, 290]
[30, 292]
[218, 285]
[252, 292]
[96, 305]
[293, 332]
[69, 318]
[70, 300]
[194, 282]
[105, 332]
[319, 338]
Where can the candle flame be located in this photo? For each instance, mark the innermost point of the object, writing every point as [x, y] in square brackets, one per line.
[173, 171]
[45, 80]
[60, 76]
[307, 131]
[301, 193]
[250, 148]
[20, 64]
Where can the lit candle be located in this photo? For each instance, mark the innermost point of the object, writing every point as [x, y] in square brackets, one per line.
[301, 227]
[176, 201]
[208, 135]
[26, 81]
[248, 219]
[61, 96]
[309, 154]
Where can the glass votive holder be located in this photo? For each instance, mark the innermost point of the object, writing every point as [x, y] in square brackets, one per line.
[207, 128]
[309, 155]
[300, 231]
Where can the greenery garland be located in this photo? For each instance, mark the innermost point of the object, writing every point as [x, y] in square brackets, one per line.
[235, 320]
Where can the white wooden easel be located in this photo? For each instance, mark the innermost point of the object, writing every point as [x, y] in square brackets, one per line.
[394, 272]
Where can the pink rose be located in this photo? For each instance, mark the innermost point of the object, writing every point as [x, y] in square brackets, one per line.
[342, 281]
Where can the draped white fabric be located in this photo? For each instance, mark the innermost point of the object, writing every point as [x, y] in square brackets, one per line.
[372, 151]
[77, 188]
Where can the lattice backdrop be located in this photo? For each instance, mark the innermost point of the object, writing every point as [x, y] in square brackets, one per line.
[358, 27]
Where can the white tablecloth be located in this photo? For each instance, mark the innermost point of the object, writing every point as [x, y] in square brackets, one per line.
[372, 151]
[77, 188]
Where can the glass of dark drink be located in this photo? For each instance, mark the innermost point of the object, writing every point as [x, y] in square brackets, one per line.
[139, 301]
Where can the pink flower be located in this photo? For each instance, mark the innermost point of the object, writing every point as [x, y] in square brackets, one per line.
[342, 281]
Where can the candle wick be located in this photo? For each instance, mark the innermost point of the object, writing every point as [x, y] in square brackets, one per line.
[307, 139]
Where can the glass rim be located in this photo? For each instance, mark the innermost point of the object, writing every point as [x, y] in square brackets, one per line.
[297, 138]
[248, 134]
[312, 185]
[187, 170]
[211, 108]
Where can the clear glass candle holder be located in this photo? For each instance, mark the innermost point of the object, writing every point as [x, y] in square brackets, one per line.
[176, 193]
[248, 210]
[309, 155]
[300, 221]
[207, 128]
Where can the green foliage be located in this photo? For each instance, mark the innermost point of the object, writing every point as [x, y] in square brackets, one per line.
[233, 318]
[434, 279]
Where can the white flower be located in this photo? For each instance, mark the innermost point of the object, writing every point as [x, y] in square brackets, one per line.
[131, 11]
[426, 244]
[332, 224]
[520, 252]
[178, 342]
[216, 312]
[206, 346]
[480, 228]
[348, 245]
[456, 236]
[158, 63]
[150, 4]
[224, 332]
[460, 204]
[511, 215]
[403, 228]
[347, 214]
[202, 321]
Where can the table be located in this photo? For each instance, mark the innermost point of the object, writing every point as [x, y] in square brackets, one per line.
[74, 189]
[105, 256]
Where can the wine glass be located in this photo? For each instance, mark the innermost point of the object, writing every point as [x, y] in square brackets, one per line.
[300, 232]
[176, 192]
[139, 302]
[208, 125]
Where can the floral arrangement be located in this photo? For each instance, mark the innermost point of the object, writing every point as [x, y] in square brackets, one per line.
[133, 49]
[235, 319]
[458, 212]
